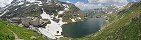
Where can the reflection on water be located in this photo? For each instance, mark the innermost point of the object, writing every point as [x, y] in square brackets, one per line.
[82, 28]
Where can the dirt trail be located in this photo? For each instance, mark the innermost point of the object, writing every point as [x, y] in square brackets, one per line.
[16, 36]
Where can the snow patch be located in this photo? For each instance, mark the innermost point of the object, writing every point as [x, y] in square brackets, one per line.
[4, 13]
[79, 18]
[60, 12]
[44, 15]
[21, 3]
[73, 20]
[39, 3]
[27, 4]
[52, 29]
[31, 0]
[66, 6]
[46, 33]
[16, 9]
[48, 1]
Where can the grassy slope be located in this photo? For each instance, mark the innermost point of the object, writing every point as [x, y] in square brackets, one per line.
[128, 27]
[7, 34]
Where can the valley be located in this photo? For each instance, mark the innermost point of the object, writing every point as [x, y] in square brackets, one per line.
[59, 20]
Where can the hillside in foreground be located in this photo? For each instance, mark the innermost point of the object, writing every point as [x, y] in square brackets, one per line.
[127, 27]
[12, 32]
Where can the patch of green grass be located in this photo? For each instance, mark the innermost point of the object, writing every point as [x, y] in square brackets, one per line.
[111, 17]
[5, 34]
[22, 33]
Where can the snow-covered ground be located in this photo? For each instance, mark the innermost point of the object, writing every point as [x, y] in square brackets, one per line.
[61, 12]
[66, 7]
[21, 3]
[27, 4]
[3, 13]
[78, 17]
[44, 15]
[39, 3]
[31, 0]
[73, 20]
[46, 33]
[52, 29]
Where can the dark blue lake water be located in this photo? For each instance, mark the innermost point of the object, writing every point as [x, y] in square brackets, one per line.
[82, 28]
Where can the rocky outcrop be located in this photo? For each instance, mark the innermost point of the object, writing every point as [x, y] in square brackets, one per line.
[28, 21]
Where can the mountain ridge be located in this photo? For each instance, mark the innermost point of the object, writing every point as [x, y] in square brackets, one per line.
[43, 16]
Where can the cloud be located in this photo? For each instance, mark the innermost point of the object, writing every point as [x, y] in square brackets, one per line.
[92, 1]
[92, 4]
[81, 5]
[133, 0]
[68, 2]
[113, 1]
[84, 6]
[5, 2]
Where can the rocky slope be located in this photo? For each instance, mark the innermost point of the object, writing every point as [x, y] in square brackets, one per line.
[43, 16]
